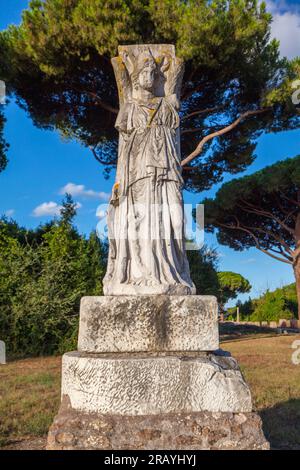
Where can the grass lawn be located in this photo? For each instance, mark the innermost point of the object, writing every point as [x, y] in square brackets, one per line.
[29, 398]
[29, 392]
[275, 384]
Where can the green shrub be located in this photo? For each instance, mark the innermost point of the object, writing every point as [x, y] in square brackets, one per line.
[41, 284]
[271, 306]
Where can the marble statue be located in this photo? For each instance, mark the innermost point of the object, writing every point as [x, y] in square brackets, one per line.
[145, 216]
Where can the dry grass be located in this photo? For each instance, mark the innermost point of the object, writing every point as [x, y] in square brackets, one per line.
[29, 392]
[29, 397]
[275, 384]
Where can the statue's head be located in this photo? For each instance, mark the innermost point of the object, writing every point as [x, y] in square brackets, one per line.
[146, 71]
[147, 67]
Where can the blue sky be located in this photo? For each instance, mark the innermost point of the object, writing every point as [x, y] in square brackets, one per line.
[41, 165]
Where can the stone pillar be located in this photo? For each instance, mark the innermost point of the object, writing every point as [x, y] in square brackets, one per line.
[148, 374]
[2, 353]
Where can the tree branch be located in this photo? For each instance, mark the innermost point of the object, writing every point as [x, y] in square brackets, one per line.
[223, 131]
[97, 98]
[256, 241]
[188, 94]
[293, 201]
[272, 235]
[296, 253]
[281, 252]
[266, 214]
[102, 103]
[198, 129]
[275, 257]
[96, 156]
[283, 210]
[202, 111]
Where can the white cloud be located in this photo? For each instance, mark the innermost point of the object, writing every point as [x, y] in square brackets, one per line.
[9, 212]
[50, 209]
[286, 26]
[79, 190]
[47, 208]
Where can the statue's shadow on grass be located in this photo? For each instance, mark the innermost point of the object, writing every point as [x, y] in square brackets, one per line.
[281, 425]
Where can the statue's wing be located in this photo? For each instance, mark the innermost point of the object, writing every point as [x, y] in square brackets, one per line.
[122, 79]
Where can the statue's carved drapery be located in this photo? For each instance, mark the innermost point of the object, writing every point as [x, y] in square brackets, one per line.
[145, 216]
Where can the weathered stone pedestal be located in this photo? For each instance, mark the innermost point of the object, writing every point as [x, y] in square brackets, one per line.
[148, 375]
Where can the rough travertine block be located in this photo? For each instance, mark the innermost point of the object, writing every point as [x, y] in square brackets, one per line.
[148, 323]
[145, 385]
[75, 430]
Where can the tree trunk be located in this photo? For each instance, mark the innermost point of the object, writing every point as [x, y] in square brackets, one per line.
[297, 277]
[296, 263]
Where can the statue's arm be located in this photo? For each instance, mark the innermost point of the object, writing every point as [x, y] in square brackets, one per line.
[124, 121]
[122, 79]
[174, 78]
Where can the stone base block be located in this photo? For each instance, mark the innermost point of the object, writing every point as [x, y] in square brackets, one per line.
[128, 384]
[148, 323]
[75, 430]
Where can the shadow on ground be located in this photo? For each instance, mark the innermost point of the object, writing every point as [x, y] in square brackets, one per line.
[230, 331]
[281, 425]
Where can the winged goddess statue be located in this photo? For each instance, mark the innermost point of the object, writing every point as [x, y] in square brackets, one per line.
[145, 216]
